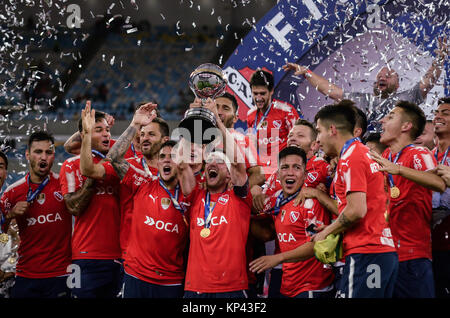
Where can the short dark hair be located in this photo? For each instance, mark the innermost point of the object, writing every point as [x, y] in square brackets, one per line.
[444, 100]
[375, 138]
[99, 115]
[304, 122]
[5, 158]
[342, 114]
[416, 115]
[292, 150]
[40, 135]
[233, 100]
[262, 78]
[361, 120]
[372, 137]
[163, 126]
[168, 143]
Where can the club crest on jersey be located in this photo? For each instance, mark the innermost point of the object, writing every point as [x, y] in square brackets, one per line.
[293, 216]
[264, 124]
[165, 203]
[58, 196]
[41, 198]
[312, 176]
[277, 123]
[224, 199]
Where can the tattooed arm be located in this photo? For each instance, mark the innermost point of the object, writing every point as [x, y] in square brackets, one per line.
[79, 200]
[143, 116]
[354, 211]
[73, 144]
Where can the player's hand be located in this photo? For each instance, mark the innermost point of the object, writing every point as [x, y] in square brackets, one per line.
[321, 234]
[444, 172]
[144, 114]
[322, 187]
[386, 165]
[196, 103]
[305, 193]
[298, 69]
[109, 120]
[19, 209]
[259, 198]
[88, 118]
[264, 262]
[442, 49]
[211, 105]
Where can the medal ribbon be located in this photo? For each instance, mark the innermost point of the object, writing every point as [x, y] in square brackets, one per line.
[257, 124]
[98, 153]
[348, 144]
[444, 158]
[208, 212]
[145, 166]
[174, 199]
[32, 195]
[134, 151]
[280, 201]
[391, 179]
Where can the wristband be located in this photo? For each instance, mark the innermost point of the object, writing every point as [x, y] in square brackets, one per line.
[308, 73]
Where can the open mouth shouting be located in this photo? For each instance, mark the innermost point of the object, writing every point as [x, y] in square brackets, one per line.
[290, 184]
[166, 171]
[42, 166]
[105, 143]
[382, 85]
[213, 174]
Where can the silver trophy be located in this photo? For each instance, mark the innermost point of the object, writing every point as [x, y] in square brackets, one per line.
[206, 81]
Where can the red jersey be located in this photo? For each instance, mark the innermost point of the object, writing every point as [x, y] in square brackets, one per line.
[217, 263]
[154, 220]
[291, 225]
[126, 202]
[357, 172]
[96, 231]
[45, 229]
[440, 232]
[410, 213]
[271, 131]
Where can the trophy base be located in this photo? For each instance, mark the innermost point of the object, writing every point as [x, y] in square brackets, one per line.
[201, 130]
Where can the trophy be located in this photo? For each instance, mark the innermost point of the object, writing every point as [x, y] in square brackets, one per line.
[206, 81]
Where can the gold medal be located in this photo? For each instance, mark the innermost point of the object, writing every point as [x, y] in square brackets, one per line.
[205, 232]
[4, 238]
[395, 192]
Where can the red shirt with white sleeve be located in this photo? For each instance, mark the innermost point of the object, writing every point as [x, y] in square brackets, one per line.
[217, 263]
[357, 172]
[410, 213]
[96, 231]
[291, 225]
[45, 229]
[158, 235]
[126, 201]
[272, 132]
